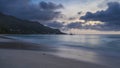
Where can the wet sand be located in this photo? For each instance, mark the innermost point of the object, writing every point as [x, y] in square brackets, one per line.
[18, 54]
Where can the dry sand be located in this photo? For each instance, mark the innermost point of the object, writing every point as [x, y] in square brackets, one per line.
[16, 54]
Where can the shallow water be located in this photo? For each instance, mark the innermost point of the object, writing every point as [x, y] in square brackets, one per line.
[99, 49]
[104, 42]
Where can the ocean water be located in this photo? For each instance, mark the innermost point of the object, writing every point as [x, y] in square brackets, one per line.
[103, 42]
[99, 49]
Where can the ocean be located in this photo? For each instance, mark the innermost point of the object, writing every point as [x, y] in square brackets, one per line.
[99, 49]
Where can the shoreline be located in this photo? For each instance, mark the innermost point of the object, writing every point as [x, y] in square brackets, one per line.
[17, 54]
[36, 59]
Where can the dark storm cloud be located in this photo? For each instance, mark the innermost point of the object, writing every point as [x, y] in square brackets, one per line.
[49, 6]
[24, 9]
[111, 17]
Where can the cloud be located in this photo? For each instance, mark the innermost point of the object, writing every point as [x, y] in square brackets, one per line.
[74, 25]
[55, 24]
[79, 13]
[72, 18]
[49, 6]
[24, 9]
[110, 16]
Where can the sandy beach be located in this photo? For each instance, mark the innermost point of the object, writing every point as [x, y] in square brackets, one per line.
[17, 54]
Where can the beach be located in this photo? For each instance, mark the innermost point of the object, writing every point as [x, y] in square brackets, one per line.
[18, 54]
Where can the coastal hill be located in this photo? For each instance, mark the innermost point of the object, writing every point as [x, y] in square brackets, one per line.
[12, 25]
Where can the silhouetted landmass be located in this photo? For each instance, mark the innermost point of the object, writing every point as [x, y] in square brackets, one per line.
[12, 25]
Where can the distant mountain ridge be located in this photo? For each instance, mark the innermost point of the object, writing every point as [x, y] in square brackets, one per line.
[13, 25]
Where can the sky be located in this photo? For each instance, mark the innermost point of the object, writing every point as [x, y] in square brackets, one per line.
[70, 16]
